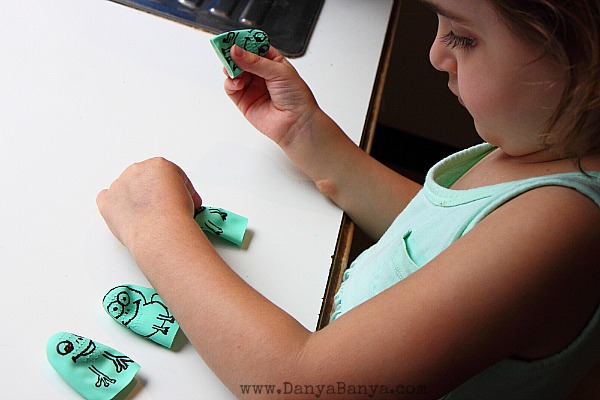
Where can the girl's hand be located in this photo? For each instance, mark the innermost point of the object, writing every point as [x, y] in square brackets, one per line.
[146, 195]
[271, 94]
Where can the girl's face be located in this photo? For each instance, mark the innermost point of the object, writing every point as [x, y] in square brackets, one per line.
[502, 80]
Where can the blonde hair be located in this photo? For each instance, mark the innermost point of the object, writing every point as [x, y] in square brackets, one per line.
[569, 32]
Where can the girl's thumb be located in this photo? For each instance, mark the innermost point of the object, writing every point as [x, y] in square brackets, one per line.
[253, 63]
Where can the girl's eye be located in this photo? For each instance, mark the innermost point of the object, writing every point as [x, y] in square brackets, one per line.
[453, 40]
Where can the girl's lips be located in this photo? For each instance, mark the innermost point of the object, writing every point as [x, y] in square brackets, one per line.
[457, 96]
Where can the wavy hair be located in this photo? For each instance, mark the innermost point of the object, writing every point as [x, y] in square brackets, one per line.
[569, 32]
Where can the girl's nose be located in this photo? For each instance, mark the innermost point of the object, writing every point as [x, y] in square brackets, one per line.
[441, 57]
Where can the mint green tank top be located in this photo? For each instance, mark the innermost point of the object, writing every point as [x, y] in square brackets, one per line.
[434, 219]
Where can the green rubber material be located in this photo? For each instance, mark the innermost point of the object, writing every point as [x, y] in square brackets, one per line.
[94, 370]
[142, 310]
[253, 40]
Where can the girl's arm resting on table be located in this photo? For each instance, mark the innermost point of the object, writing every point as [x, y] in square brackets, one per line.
[273, 97]
[498, 291]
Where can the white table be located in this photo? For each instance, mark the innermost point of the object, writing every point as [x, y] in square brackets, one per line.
[89, 87]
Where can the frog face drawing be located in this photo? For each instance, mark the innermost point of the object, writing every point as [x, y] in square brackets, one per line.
[142, 310]
[93, 369]
[123, 308]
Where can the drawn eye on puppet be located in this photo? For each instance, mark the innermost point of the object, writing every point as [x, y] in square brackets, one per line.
[93, 369]
[123, 298]
[141, 310]
[115, 309]
[118, 307]
[65, 347]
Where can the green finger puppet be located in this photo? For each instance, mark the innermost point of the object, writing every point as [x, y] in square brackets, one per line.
[222, 223]
[253, 40]
[94, 370]
[143, 311]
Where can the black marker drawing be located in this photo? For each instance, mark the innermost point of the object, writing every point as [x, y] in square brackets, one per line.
[103, 379]
[217, 230]
[130, 307]
[94, 370]
[253, 40]
[222, 213]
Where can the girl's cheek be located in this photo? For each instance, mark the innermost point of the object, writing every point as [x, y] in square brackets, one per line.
[474, 98]
[465, 98]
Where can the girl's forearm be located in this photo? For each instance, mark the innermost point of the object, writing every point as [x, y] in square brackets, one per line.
[355, 181]
[241, 335]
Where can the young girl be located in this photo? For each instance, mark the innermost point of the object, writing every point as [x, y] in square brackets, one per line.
[483, 283]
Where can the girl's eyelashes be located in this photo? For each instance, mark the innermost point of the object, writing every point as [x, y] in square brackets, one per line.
[453, 40]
